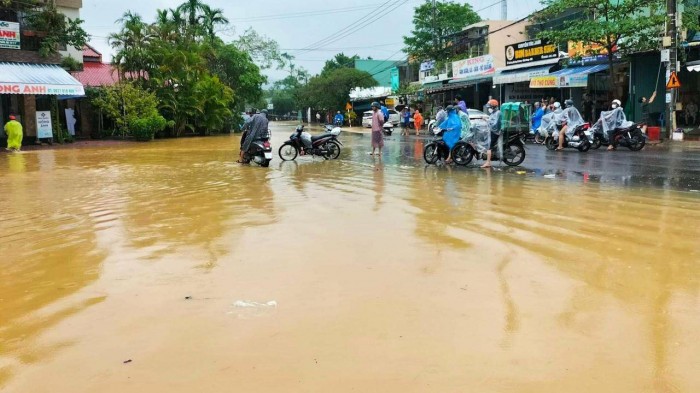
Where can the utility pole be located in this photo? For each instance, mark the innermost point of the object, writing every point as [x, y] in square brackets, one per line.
[504, 9]
[673, 62]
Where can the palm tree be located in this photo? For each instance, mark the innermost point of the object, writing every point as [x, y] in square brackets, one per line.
[211, 18]
[191, 8]
[130, 44]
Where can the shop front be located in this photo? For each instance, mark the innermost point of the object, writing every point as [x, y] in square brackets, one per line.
[31, 92]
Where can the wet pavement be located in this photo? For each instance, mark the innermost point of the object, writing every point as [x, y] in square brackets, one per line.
[167, 267]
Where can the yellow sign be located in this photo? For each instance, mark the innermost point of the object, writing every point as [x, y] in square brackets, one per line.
[543, 82]
[673, 82]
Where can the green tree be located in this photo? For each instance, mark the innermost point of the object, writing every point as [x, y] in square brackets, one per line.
[125, 103]
[263, 50]
[626, 26]
[192, 9]
[210, 18]
[332, 91]
[432, 27]
[339, 61]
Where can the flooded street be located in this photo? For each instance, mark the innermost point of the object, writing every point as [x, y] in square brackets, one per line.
[122, 267]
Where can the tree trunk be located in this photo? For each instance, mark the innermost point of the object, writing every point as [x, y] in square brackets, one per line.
[611, 65]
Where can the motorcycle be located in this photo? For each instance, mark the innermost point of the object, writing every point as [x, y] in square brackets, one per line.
[388, 128]
[630, 137]
[302, 143]
[579, 140]
[513, 150]
[260, 151]
[437, 148]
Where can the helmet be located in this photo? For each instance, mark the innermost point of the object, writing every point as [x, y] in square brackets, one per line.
[557, 105]
[617, 102]
[300, 128]
[569, 103]
[375, 104]
[493, 103]
[12, 117]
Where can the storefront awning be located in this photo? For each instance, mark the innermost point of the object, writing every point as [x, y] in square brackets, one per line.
[566, 78]
[454, 84]
[693, 66]
[520, 75]
[38, 79]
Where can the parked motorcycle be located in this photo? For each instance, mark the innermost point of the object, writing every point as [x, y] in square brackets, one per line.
[388, 128]
[260, 151]
[302, 143]
[579, 140]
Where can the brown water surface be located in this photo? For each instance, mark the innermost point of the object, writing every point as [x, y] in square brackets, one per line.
[387, 277]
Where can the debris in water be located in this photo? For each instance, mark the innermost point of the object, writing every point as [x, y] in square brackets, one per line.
[550, 176]
[521, 172]
[127, 361]
[188, 297]
[248, 304]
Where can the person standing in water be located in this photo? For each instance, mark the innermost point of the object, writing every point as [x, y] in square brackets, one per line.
[14, 132]
[377, 131]
[417, 121]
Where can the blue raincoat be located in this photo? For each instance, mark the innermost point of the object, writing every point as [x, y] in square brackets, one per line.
[452, 127]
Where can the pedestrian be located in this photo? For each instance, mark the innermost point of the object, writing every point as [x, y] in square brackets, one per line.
[377, 128]
[645, 110]
[459, 102]
[13, 129]
[587, 108]
[318, 117]
[418, 121]
[385, 112]
[406, 120]
[691, 112]
[537, 119]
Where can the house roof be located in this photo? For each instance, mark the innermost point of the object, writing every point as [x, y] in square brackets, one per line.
[97, 74]
[91, 53]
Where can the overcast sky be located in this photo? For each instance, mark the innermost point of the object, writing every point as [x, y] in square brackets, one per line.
[298, 24]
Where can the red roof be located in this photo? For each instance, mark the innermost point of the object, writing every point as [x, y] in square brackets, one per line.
[97, 74]
[91, 52]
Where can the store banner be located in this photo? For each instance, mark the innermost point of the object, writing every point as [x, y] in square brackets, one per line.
[586, 53]
[427, 65]
[559, 81]
[474, 67]
[9, 35]
[44, 127]
[544, 82]
[530, 51]
[41, 89]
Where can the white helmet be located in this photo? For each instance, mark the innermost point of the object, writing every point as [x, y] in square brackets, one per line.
[616, 104]
[557, 105]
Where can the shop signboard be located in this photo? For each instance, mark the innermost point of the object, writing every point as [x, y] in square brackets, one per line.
[544, 82]
[588, 53]
[43, 124]
[573, 80]
[41, 89]
[473, 67]
[395, 83]
[530, 51]
[9, 35]
[427, 65]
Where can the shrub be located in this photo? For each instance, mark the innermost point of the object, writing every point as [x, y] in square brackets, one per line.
[144, 129]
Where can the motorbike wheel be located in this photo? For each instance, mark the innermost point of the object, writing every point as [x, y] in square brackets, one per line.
[462, 154]
[265, 164]
[550, 143]
[333, 150]
[637, 141]
[288, 152]
[597, 142]
[514, 154]
[584, 146]
[430, 153]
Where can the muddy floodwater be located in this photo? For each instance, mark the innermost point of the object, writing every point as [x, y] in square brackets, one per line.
[166, 267]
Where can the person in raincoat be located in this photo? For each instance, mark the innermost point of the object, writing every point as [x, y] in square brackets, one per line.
[417, 121]
[378, 121]
[537, 118]
[570, 119]
[256, 127]
[339, 119]
[467, 133]
[452, 128]
[494, 128]
[13, 129]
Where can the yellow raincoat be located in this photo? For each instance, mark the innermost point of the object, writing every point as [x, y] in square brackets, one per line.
[13, 129]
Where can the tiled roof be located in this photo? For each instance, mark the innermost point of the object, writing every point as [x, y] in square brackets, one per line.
[97, 74]
[89, 51]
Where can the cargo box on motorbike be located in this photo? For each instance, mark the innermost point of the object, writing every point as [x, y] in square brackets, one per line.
[515, 117]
